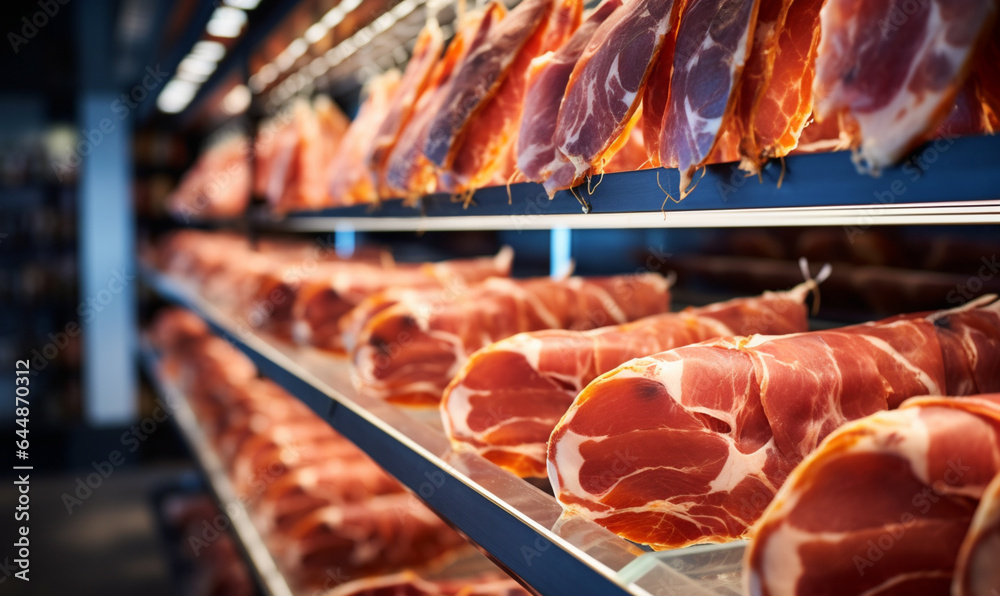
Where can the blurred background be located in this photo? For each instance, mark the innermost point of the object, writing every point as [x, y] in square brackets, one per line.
[104, 104]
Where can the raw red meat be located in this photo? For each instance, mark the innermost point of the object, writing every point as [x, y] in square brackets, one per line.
[883, 505]
[510, 395]
[690, 445]
[976, 570]
[410, 351]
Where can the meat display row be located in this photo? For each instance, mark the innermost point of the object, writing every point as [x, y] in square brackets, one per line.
[320, 503]
[670, 429]
[547, 94]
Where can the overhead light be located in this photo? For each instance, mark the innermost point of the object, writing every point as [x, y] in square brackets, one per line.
[176, 96]
[193, 77]
[237, 100]
[197, 65]
[297, 48]
[317, 32]
[244, 4]
[209, 50]
[226, 22]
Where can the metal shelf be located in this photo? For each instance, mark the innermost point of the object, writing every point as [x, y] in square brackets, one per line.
[516, 524]
[949, 181]
[266, 572]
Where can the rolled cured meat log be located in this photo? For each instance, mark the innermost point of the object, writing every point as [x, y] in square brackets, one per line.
[691, 444]
[510, 395]
[883, 505]
[409, 352]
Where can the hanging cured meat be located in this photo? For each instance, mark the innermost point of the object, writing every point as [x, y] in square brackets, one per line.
[510, 395]
[490, 135]
[606, 85]
[895, 67]
[409, 352]
[548, 77]
[409, 174]
[416, 79]
[690, 445]
[775, 100]
[217, 185]
[351, 180]
[904, 486]
[713, 41]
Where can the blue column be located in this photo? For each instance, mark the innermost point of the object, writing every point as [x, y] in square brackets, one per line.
[560, 251]
[107, 264]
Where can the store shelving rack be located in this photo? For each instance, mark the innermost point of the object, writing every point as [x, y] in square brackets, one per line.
[514, 523]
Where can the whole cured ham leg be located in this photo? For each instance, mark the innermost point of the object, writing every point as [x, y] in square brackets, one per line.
[691, 444]
[408, 352]
[606, 86]
[883, 505]
[415, 80]
[713, 41]
[550, 73]
[894, 67]
[976, 570]
[511, 394]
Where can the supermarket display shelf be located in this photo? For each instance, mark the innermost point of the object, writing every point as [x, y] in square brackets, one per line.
[816, 189]
[269, 578]
[517, 525]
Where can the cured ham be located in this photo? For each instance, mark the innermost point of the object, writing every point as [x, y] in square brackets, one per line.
[976, 570]
[548, 77]
[713, 42]
[383, 534]
[894, 68]
[691, 444]
[321, 303]
[351, 180]
[509, 396]
[408, 352]
[410, 584]
[416, 78]
[605, 87]
[775, 101]
[490, 134]
[904, 485]
[217, 185]
[478, 78]
[409, 174]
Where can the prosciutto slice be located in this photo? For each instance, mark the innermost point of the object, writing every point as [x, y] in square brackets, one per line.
[510, 395]
[409, 584]
[409, 174]
[883, 505]
[479, 77]
[549, 75]
[415, 81]
[691, 444]
[490, 135]
[976, 570]
[606, 85]
[713, 42]
[776, 92]
[409, 352]
[895, 67]
[351, 181]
